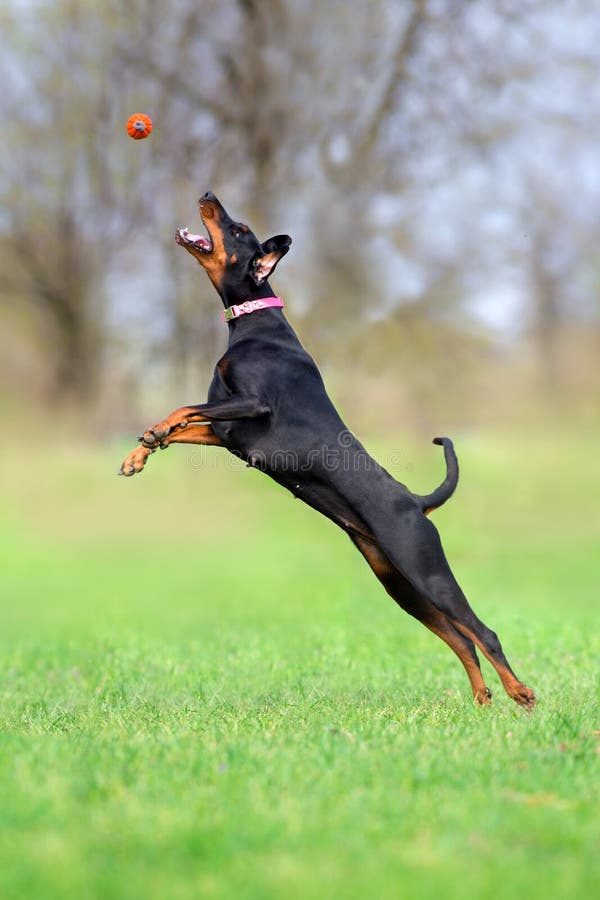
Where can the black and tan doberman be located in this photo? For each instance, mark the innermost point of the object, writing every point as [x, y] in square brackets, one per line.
[268, 405]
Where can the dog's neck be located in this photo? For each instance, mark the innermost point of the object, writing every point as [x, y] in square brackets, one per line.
[248, 307]
[259, 318]
[255, 292]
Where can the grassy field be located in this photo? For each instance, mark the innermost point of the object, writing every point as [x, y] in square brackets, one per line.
[205, 692]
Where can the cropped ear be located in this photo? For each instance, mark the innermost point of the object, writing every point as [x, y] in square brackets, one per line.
[263, 265]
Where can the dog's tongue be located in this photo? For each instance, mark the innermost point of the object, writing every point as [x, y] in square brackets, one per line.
[199, 239]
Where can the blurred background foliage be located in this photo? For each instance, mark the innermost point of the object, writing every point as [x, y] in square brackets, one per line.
[435, 161]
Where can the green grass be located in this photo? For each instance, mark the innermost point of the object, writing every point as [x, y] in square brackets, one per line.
[205, 693]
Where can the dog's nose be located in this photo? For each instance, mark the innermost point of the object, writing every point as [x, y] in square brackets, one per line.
[208, 196]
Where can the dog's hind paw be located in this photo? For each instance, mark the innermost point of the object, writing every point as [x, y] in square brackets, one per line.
[524, 696]
[484, 698]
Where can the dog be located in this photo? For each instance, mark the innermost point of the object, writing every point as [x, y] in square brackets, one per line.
[268, 405]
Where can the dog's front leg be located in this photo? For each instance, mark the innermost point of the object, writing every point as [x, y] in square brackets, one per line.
[135, 461]
[191, 425]
[226, 410]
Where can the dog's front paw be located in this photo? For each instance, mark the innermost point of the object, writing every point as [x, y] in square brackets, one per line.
[135, 461]
[155, 437]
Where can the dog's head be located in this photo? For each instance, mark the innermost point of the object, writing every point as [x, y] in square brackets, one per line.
[234, 259]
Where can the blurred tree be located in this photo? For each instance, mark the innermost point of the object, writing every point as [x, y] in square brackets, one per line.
[422, 169]
[59, 184]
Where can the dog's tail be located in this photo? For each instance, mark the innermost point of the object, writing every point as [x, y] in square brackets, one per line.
[431, 501]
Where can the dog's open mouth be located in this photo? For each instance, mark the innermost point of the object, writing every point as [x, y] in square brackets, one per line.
[187, 238]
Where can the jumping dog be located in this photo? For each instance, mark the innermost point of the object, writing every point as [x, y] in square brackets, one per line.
[267, 404]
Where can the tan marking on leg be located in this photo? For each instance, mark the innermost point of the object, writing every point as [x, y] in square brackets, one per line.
[439, 625]
[194, 434]
[428, 614]
[178, 419]
[515, 689]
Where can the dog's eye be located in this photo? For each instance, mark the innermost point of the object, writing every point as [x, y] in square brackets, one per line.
[237, 233]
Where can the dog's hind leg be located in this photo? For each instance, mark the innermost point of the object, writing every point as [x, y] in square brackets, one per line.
[416, 550]
[422, 609]
[326, 499]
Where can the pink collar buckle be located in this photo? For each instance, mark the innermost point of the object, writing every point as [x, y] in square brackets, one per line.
[250, 306]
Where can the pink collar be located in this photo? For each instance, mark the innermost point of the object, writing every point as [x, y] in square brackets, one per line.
[249, 306]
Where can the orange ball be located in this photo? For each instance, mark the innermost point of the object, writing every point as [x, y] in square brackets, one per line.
[139, 126]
